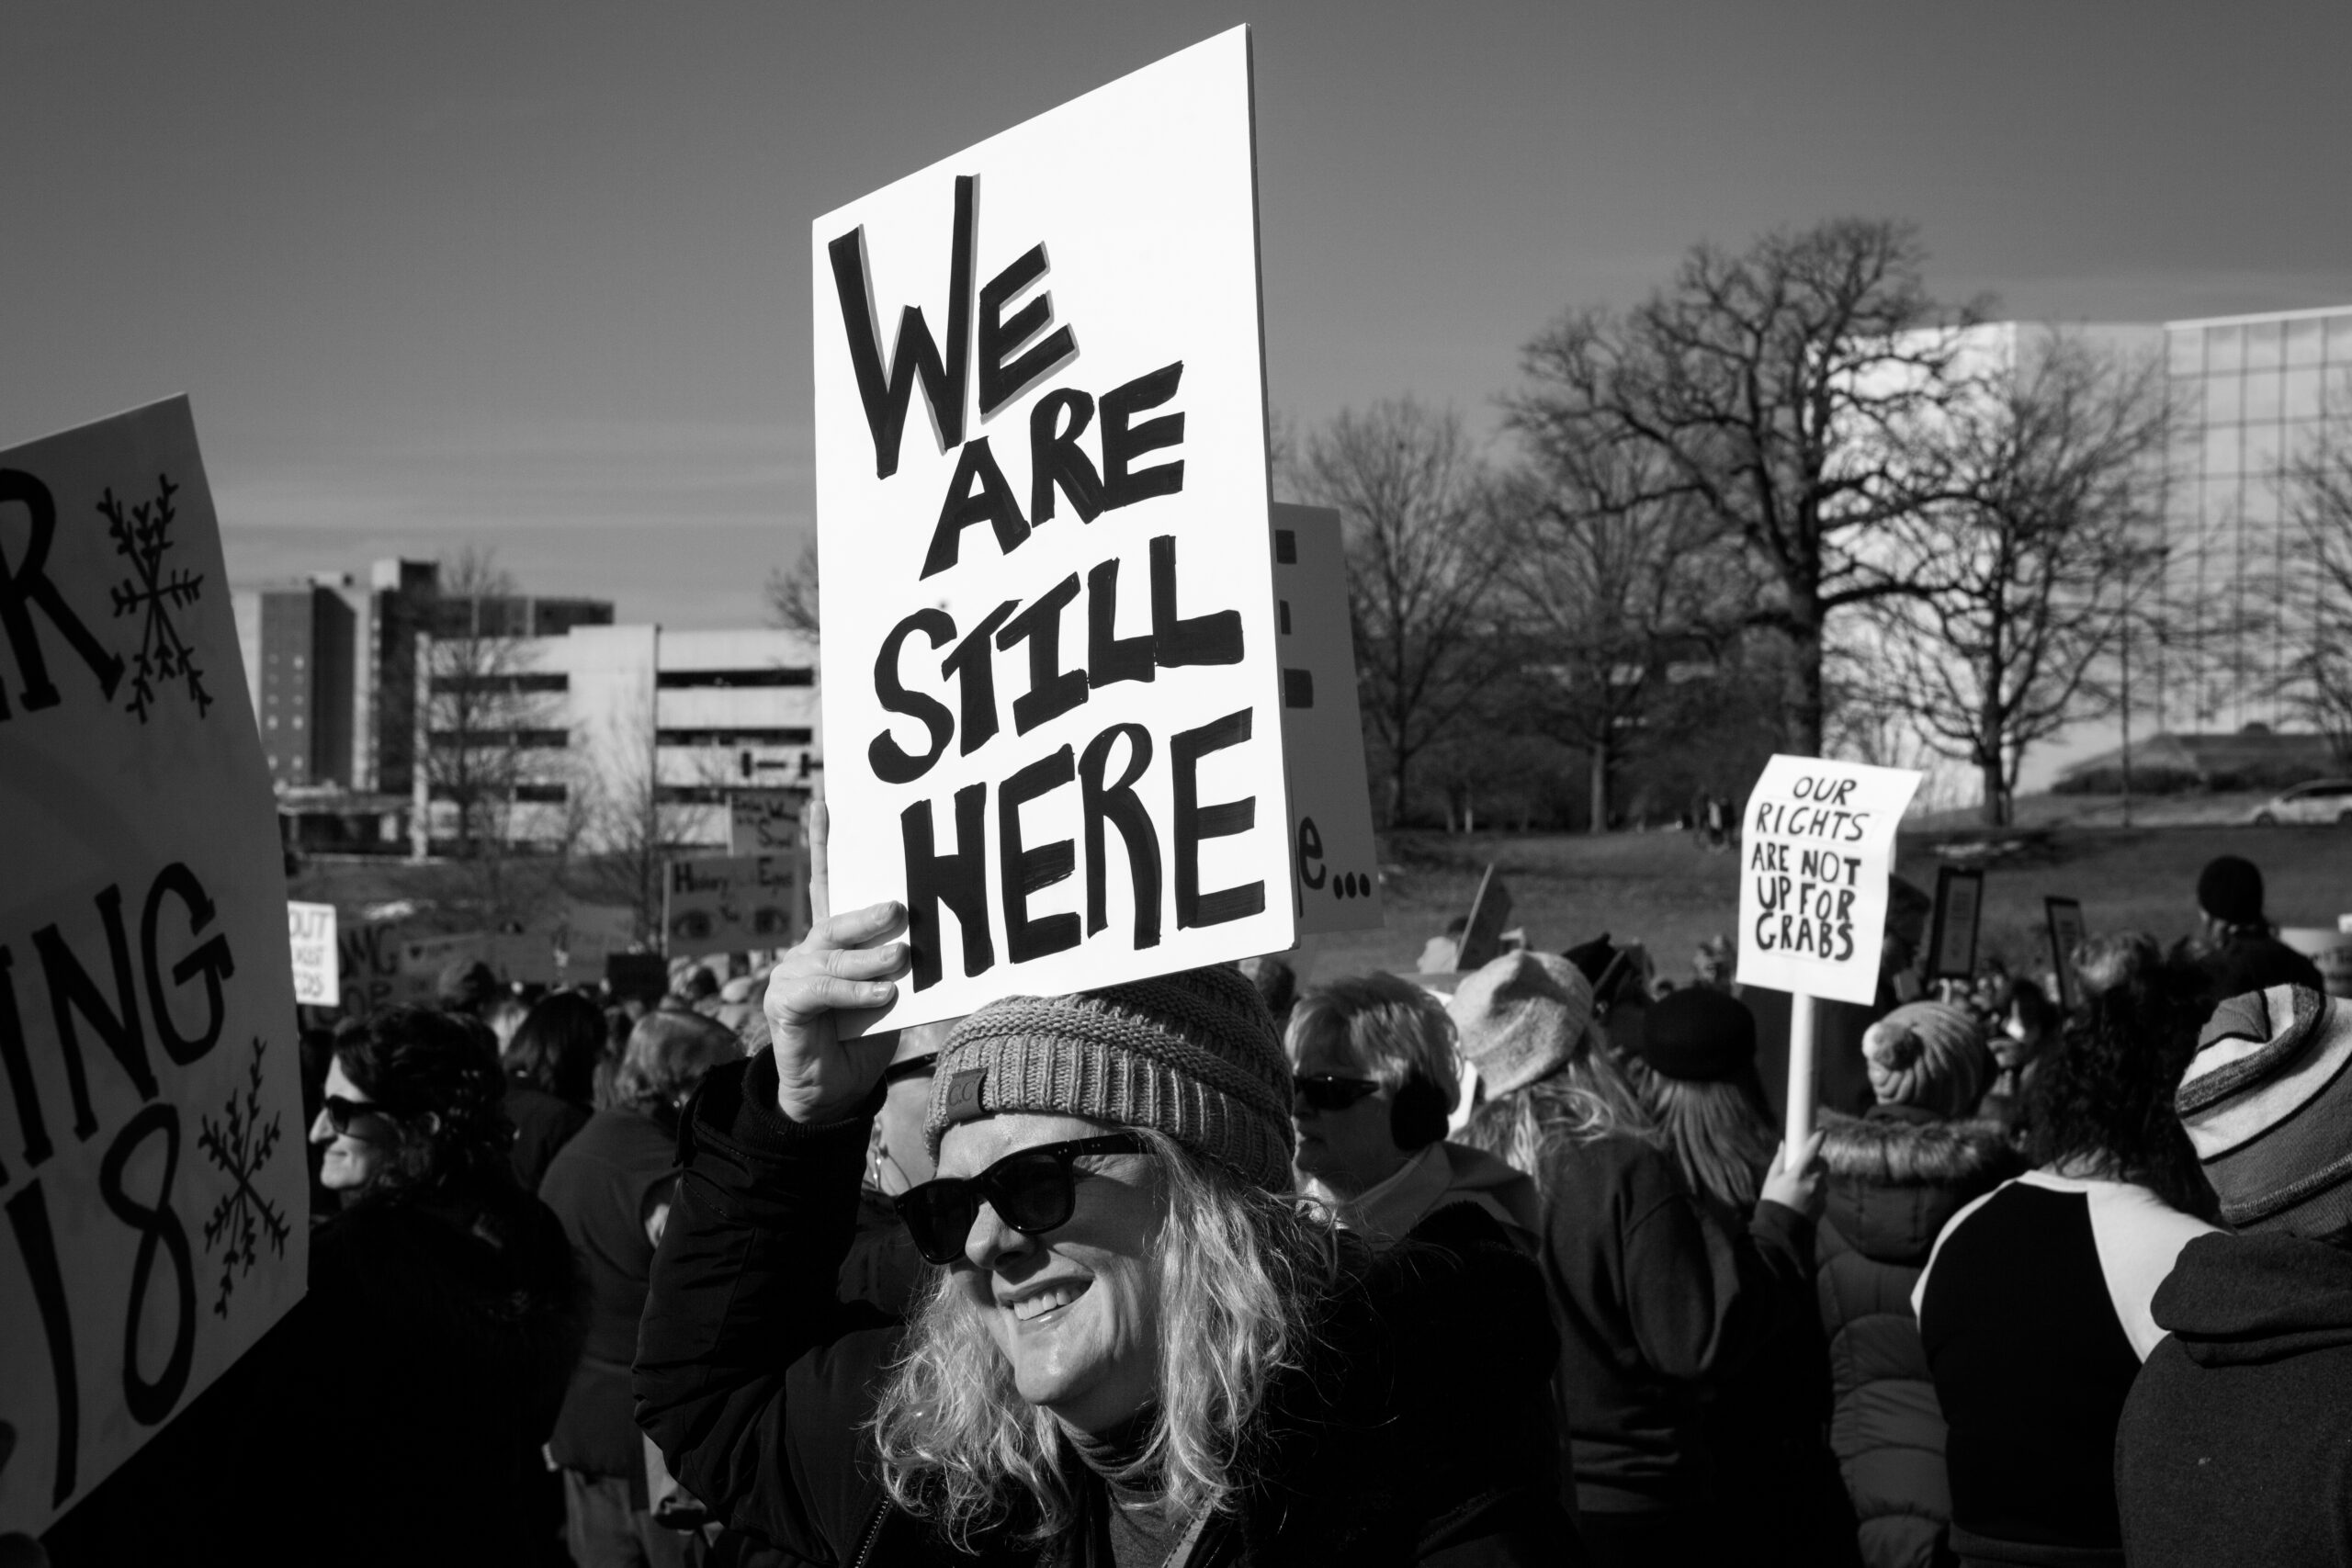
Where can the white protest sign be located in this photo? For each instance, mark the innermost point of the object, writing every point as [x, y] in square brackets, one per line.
[311, 940]
[151, 1111]
[1052, 691]
[730, 904]
[764, 821]
[1335, 861]
[1816, 847]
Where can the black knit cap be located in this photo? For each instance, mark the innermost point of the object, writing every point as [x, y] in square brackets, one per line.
[1699, 1034]
[2230, 890]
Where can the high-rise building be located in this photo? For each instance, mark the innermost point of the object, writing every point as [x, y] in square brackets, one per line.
[304, 686]
[2251, 394]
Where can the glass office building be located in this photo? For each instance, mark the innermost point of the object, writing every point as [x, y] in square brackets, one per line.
[2252, 394]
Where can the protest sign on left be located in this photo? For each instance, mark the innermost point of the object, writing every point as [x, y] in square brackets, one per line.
[1052, 703]
[150, 1124]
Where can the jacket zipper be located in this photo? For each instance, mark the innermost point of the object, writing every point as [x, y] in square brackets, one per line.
[872, 1535]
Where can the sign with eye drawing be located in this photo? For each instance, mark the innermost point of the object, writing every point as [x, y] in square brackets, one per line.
[1053, 673]
[1334, 858]
[151, 1116]
[730, 904]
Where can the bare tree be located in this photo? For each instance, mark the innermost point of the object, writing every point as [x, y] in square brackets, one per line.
[792, 593]
[1611, 580]
[1422, 558]
[485, 711]
[2315, 603]
[1772, 389]
[2054, 469]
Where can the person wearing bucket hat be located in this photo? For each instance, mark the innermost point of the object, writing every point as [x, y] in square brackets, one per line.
[2231, 1448]
[1658, 1301]
[2034, 1307]
[1695, 1069]
[1137, 1343]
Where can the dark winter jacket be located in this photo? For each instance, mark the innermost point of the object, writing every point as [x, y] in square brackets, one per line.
[2236, 1441]
[543, 1124]
[1415, 1430]
[393, 1418]
[1656, 1302]
[1895, 1176]
[2254, 960]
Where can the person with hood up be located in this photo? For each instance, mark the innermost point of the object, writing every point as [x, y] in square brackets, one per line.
[2241, 951]
[1375, 1082]
[1766, 1428]
[1657, 1302]
[1135, 1346]
[2233, 1442]
[1895, 1176]
[2034, 1306]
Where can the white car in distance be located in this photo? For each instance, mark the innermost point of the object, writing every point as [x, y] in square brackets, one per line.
[2318, 800]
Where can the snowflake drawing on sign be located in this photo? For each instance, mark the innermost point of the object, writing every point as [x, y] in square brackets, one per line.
[240, 1146]
[142, 535]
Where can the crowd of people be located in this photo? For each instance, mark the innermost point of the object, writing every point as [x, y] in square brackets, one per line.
[1503, 1267]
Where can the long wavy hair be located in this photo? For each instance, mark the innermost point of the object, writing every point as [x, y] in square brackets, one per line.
[1240, 1274]
[2101, 1103]
[1721, 1133]
[437, 1080]
[1585, 1099]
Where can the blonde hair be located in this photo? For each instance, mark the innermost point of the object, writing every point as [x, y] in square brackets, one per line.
[1239, 1273]
[1388, 1026]
[1719, 1130]
[1585, 1099]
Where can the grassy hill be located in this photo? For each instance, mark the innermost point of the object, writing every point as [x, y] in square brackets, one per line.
[1664, 890]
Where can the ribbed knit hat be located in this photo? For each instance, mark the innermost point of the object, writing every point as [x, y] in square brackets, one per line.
[1699, 1035]
[1193, 1054]
[2269, 1104]
[1928, 1055]
[1521, 1017]
[2230, 890]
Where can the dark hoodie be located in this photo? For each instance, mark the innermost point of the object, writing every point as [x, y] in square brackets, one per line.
[1895, 1176]
[2236, 1441]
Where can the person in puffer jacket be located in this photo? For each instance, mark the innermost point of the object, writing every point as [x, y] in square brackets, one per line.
[1896, 1175]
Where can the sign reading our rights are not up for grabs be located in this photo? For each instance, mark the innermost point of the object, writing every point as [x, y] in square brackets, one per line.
[1053, 680]
[1815, 850]
[151, 1116]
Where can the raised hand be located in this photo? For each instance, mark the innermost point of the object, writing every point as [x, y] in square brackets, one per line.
[1796, 1184]
[819, 1076]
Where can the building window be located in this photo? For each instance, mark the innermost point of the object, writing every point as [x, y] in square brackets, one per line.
[486, 739]
[733, 736]
[501, 684]
[775, 675]
[690, 795]
[540, 794]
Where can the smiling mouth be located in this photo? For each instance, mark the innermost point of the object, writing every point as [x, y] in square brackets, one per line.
[1029, 1309]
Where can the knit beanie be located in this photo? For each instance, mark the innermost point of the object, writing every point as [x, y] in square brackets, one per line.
[1699, 1035]
[1193, 1055]
[1521, 1017]
[2268, 1105]
[2230, 890]
[1931, 1056]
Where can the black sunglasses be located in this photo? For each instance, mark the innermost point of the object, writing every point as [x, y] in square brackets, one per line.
[1329, 1091]
[1033, 1190]
[341, 1112]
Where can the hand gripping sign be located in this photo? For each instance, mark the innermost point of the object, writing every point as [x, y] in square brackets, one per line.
[1816, 849]
[151, 1120]
[1053, 696]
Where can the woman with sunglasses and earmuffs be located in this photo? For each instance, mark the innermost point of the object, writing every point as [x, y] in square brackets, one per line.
[1137, 1344]
[1376, 1082]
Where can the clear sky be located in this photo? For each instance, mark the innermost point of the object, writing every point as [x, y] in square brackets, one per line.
[534, 277]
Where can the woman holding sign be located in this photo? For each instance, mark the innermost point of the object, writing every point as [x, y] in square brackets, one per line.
[1137, 1347]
